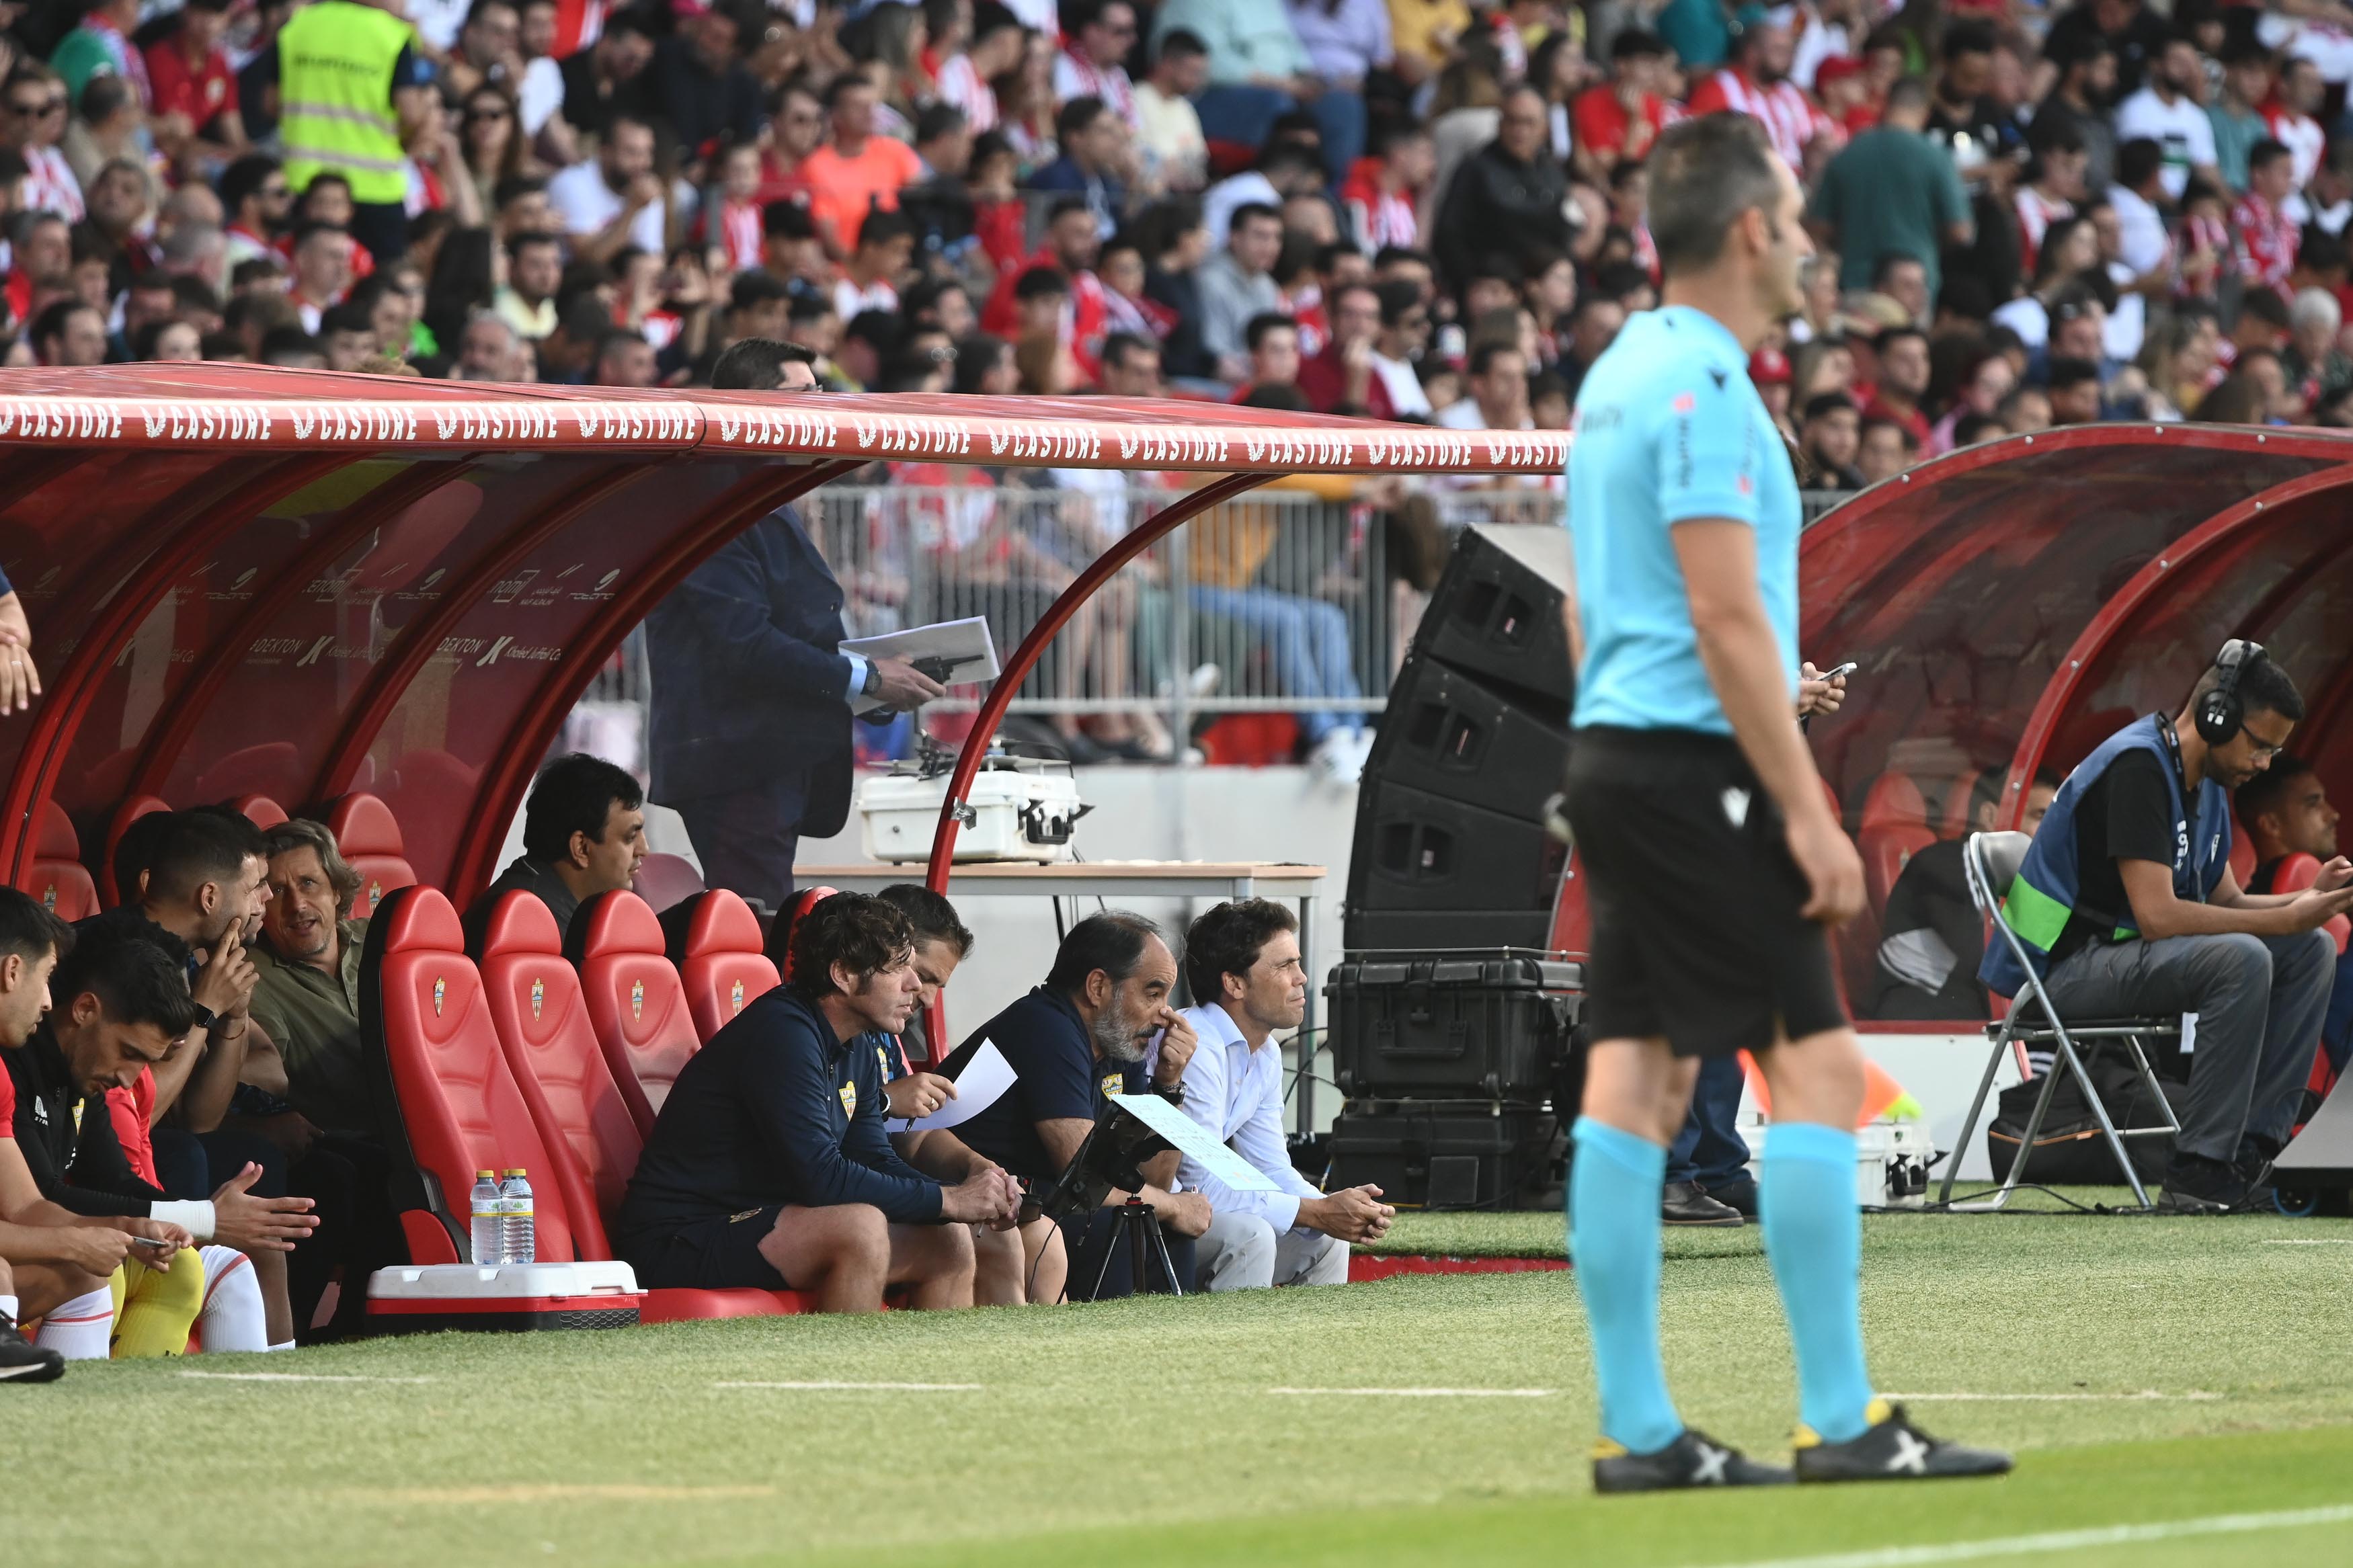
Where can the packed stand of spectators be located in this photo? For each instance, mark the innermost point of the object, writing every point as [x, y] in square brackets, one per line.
[1409, 210]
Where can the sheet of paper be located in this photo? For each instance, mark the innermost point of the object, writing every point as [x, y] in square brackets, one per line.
[986, 1078]
[2189, 1033]
[964, 646]
[1193, 1140]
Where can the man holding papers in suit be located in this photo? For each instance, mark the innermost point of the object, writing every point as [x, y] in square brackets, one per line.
[1243, 960]
[752, 692]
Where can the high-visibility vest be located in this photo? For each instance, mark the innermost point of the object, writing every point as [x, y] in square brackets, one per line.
[2046, 893]
[334, 98]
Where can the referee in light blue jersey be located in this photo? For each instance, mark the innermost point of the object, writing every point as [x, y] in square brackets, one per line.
[1714, 863]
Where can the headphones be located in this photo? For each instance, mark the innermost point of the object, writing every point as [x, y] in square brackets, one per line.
[2219, 711]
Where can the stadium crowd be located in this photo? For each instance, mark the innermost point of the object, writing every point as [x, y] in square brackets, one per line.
[1410, 209]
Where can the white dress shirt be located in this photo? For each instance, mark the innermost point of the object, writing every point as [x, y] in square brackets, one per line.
[1237, 1093]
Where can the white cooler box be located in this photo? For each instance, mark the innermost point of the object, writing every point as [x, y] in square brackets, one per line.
[1891, 1159]
[1020, 808]
[423, 1298]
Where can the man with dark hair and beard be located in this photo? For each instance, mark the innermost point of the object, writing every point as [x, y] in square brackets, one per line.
[1083, 1035]
[769, 1167]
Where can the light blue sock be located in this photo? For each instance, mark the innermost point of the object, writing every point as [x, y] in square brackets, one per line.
[1613, 1208]
[1813, 1236]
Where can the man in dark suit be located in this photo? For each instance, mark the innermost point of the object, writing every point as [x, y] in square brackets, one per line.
[751, 692]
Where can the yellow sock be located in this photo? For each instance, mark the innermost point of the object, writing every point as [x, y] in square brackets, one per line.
[154, 1311]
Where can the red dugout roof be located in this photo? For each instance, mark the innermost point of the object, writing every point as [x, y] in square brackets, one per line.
[299, 584]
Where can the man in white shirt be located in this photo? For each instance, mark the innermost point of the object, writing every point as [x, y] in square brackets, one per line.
[616, 200]
[1244, 957]
[2168, 113]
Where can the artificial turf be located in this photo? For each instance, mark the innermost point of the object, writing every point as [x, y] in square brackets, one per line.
[2200, 1365]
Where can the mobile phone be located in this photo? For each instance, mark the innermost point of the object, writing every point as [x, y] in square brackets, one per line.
[1849, 668]
[149, 1241]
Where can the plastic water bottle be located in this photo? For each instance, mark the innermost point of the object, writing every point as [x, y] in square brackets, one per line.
[489, 1220]
[514, 1206]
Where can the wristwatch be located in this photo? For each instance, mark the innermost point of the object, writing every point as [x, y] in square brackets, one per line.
[205, 1018]
[874, 687]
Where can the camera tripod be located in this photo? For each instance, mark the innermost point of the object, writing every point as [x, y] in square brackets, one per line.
[1134, 1221]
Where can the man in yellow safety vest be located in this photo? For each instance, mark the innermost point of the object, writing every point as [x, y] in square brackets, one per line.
[351, 82]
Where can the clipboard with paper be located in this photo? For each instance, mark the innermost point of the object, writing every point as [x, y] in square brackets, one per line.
[954, 653]
[1193, 1140]
[984, 1081]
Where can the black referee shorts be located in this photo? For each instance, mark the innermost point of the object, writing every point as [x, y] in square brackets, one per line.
[1694, 897]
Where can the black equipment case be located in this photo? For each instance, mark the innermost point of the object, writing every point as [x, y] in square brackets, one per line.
[1448, 1154]
[1470, 1025]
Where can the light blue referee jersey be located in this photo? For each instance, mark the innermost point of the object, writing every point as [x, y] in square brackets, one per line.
[1668, 428]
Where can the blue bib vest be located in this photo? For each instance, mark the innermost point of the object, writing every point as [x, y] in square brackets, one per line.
[2045, 894]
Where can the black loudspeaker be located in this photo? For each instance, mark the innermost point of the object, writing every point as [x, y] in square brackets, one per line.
[1496, 614]
[1448, 733]
[1450, 849]
[1416, 850]
[1424, 930]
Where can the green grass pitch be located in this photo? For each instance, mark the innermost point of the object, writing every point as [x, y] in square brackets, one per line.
[2186, 1379]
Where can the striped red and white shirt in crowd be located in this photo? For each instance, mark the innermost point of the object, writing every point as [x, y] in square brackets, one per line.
[2267, 241]
[2300, 135]
[1076, 76]
[50, 186]
[2200, 232]
[740, 234]
[1791, 122]
[1376, 216]
[961, 88]
[2036, 213]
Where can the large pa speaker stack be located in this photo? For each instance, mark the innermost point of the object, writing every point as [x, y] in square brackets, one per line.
[1451, 849]
[1452, 1053]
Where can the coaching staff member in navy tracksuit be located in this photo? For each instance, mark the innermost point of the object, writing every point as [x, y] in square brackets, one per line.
[751, 692]
[769, 1168]
[1085, 1034]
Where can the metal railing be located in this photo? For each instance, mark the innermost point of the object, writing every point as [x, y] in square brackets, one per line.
[1282, 601]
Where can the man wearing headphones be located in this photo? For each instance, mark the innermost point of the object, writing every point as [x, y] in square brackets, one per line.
[2127, 907]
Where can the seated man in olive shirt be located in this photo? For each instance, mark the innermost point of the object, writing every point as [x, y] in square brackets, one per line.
[308, 996]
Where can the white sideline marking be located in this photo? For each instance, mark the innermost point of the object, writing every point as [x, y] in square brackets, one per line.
[891, 1387]
[557, 1491]
[2311, 1241]
[2053, 1398]
[296, 1377]
[2064, 1540]
[1428, 1393]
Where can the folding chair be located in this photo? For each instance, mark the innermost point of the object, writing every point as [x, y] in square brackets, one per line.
[1991, 861]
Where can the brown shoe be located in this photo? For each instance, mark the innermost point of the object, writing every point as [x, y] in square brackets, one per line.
[1687, 1202]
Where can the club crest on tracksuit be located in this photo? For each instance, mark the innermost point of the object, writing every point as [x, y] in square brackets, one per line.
[849, 1098]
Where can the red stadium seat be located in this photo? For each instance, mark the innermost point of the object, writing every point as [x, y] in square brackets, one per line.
[636, 1004]
[780, 934]
[544, 1027]
[56, 875]
[262, 811]
[718, 958]
[2297, 873]
[1955, 823]
[1895, 826]
[129, 811]
[549, 1048]
[666, 880]
[426, 1018]
[2242, 854]
[370, 838]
